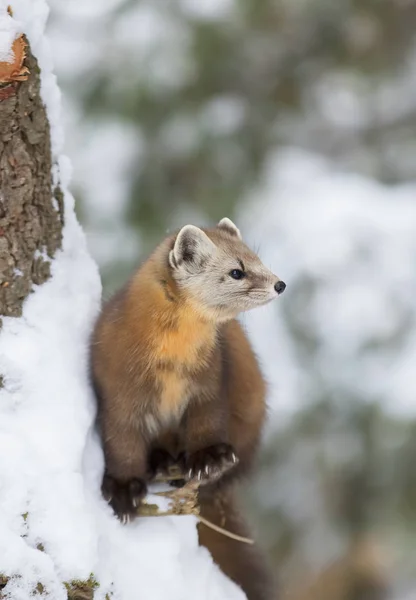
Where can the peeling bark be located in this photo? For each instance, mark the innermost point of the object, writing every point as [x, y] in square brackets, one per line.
[31, 211]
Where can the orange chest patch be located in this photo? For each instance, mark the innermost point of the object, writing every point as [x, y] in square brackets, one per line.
[183, 345]
[187, 345]
[174, 395]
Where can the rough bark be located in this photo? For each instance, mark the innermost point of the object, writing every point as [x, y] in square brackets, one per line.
[31, 209]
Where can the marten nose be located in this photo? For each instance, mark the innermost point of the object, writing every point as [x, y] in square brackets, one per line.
[280, 287]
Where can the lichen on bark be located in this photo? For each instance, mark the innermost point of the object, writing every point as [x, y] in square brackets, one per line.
[31, 210]
[76, 590]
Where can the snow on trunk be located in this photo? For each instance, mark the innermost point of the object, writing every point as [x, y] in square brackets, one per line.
[56, 531]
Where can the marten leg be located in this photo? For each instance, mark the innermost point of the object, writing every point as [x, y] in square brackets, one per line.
[125, 468]
[161, 462]
[208, 454]
[164, 456]
[246, 397]
[241, 562]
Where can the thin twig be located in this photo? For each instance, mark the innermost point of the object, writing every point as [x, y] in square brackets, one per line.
[183, 501]
[229, 534]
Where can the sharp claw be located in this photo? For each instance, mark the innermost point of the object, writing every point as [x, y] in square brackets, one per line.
[190, 474]
[199, 475]
[109, 499]
[233, 457]
[206, 470]
[135, 503]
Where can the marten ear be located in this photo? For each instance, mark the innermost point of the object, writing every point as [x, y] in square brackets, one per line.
[192, 248]
[227, 225]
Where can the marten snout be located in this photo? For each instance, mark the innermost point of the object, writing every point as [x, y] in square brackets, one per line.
[280, 287]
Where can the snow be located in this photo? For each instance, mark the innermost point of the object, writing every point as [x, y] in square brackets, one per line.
[54, 525]
[354, 240]
[209, 10]
[116, 147]
[9, 30]
[223, 116]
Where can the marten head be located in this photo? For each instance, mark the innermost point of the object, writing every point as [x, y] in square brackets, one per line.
[219, 272]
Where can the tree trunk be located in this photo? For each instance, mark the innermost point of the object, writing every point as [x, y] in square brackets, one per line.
[31, 208]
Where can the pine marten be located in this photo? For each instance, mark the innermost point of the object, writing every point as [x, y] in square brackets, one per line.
[177, 382]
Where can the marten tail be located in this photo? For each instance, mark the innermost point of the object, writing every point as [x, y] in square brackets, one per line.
[243, 563]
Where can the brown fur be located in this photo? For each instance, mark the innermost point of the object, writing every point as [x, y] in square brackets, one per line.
[169, 376]
[244, 564]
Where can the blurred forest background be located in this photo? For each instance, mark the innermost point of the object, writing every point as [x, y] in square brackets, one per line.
[297, 119]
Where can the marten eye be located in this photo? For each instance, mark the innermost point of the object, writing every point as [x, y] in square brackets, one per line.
[237, 274]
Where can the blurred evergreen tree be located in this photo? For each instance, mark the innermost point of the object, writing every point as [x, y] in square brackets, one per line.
[251, 77]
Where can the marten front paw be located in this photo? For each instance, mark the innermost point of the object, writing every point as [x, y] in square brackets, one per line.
[209, 464]
[124, 498]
